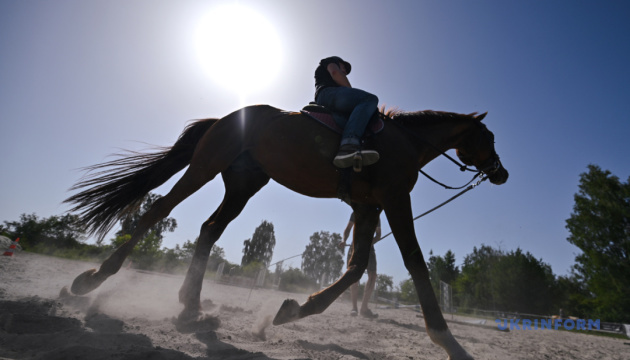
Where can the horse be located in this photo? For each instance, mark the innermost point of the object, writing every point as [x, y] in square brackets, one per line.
[257, 143]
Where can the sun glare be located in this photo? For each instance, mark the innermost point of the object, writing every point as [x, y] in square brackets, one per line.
[238, 48]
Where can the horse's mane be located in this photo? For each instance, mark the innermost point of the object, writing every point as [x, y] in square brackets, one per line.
[406, 117]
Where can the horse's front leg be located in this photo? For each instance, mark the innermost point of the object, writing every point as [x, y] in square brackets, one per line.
[366, 218]
[400, 219]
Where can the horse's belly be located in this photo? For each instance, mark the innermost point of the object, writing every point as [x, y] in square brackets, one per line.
[297, 152]
[306, 171]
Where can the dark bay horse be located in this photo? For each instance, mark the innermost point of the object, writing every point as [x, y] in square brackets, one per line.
[258, 143]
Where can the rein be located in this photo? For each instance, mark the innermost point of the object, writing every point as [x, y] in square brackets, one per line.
[462, 167]
[449, 187]
[468, 186]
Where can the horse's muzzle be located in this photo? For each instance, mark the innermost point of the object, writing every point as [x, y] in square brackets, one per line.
[499, 176]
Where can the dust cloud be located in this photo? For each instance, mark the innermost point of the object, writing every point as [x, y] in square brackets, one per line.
[130, 316]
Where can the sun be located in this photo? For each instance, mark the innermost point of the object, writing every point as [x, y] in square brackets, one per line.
[238, 48]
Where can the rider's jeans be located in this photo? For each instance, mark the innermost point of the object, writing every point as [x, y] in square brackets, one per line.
[357, 105]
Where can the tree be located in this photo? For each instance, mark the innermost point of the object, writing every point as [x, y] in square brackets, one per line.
[408, 292]
[4, 231]
[322, 257]
[147, 252]
[474, 287]
[294, 280]
[260, 247]
[442, 269]
[384, 285]
[217, 256]
[188, 250]
[600, 227]
[130, 222]
[571, 295]
[171, 260]
[522, 283]
[56, 231]
[513, 281]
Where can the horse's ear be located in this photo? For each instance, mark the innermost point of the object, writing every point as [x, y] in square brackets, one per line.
[481, 116]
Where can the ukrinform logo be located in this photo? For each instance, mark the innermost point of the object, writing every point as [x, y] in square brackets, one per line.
[547, 324]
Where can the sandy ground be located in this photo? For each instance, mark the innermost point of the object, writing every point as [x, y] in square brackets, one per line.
[129, 317]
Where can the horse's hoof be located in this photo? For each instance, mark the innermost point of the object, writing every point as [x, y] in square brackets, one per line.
[86, 282]
[197, 324]
[289, 311]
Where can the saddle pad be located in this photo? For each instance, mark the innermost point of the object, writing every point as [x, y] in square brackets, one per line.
[374, 126]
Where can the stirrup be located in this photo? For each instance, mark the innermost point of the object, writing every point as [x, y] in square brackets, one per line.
[364, 158]
[346, 160]
[357, 162]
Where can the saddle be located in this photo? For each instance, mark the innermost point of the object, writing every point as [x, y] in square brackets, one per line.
[333, 120]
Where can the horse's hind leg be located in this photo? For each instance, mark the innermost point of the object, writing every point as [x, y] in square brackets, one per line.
[240, 186]
[192, 180]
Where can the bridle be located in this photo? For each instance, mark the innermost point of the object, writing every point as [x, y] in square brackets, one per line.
[489, 167]
[493, 163]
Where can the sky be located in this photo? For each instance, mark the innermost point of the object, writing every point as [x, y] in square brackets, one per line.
[80, 80]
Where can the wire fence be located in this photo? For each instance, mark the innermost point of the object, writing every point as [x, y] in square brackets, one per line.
[261, 279]
[504, 316]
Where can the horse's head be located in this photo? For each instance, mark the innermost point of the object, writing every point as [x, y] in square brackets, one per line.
[477, 149]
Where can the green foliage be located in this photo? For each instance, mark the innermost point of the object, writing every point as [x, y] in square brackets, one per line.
[294, 280]
[474, 287]
[513, 281]
[442, 269]
[4, 231]
[600, 227]
[130, 222]
[188, 250]
[62, 236]
[384, 285]
[523, 283]
[408, 292]
[79, 252]
[322, 257]
[217, 256]
[64, 231]
[146, 253]
[171, 261]
[571, 295]
[251, 269]
[260, 247]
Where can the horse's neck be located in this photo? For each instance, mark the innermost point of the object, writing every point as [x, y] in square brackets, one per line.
[433, 138]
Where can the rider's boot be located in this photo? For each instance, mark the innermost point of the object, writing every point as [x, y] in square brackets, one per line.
[349, 154]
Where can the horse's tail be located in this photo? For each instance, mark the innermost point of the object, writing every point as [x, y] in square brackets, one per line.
[113, 189]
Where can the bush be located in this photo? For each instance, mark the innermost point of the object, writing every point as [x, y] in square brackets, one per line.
[294, 280]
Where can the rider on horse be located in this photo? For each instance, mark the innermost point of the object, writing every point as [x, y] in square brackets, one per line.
[333, 90]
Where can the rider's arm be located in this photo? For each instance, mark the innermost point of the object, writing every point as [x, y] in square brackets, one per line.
[338, 74]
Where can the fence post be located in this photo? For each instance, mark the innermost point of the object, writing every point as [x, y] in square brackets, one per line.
[219, 273]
